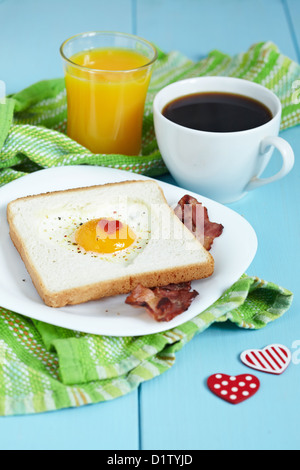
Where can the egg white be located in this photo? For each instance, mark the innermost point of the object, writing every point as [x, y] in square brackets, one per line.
[58, 227]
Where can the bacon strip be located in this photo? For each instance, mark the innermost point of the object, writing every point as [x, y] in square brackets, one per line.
[163, 303]
[195, 217]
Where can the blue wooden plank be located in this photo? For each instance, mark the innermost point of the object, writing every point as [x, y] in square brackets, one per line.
[104, 426]
[189, 416]
[197, 26]
[192, 417]
[185, 415]
[293, 14]
[31, 32]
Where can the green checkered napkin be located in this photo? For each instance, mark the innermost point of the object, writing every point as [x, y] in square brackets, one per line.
[37, 137]
[43, 367]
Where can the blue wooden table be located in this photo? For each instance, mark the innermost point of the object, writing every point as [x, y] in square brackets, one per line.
[176, 410]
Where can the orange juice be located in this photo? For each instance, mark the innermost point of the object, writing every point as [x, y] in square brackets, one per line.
[106, 92]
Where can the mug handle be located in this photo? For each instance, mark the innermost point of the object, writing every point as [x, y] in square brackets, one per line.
[288, 160]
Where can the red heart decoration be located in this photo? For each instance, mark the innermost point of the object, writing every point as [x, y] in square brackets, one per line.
[233, 389]
[274, 359]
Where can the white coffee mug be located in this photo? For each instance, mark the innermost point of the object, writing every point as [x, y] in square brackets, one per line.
[221, 166]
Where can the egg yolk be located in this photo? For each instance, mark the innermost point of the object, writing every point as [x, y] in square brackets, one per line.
[104, 236]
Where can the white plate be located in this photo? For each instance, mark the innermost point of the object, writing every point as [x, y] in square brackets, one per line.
[233, 253]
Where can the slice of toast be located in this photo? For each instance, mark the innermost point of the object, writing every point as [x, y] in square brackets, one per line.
[43, 229]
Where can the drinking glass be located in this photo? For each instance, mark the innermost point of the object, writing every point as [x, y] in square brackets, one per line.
[107, 75]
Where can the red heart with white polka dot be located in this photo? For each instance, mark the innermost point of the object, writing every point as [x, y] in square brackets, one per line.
[233, 389]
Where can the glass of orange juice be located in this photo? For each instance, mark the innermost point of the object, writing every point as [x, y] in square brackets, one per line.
[107, 75]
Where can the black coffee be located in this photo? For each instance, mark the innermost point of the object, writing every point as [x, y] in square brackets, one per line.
[217, 112]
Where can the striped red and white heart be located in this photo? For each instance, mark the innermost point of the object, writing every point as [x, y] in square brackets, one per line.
[274, 359]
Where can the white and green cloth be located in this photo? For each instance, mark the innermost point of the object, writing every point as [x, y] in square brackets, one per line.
[36, 139]
[43, 367]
